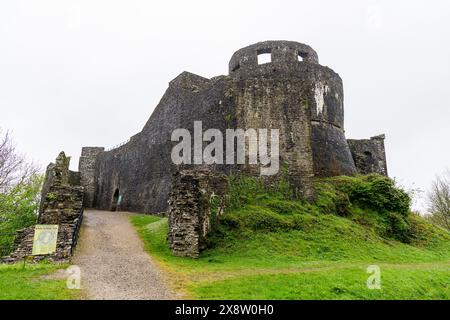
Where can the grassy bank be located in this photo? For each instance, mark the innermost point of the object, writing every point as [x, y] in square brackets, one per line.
[270, 246]
[32, 282]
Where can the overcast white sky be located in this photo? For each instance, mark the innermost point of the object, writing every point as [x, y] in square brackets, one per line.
[90, 72]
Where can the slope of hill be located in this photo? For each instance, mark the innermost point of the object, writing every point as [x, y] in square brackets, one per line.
[268, 245]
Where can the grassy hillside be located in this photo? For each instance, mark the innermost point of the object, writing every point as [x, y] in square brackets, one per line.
[270, 246]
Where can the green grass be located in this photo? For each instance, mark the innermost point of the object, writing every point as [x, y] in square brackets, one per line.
[346, 283]
[270, 246]
[329, 239]
[304, 264]
[24, 282]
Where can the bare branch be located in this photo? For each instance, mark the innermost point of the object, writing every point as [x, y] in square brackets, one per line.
[439, 201]
[13, 166]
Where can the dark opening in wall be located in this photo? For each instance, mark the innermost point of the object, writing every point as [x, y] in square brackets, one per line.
[264, 56]
[301, 56]
[236, 67]
[115, 200]
[368, 155]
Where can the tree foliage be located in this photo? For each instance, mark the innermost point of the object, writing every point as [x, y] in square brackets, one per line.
[439, 201]
[14, 168]
[20, 185]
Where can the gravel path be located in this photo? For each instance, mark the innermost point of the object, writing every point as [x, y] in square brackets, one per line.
[113, 262]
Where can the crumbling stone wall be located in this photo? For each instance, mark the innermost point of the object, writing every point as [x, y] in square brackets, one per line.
[86, 168]
[58, 173]
[369, 155]
[23, 245]
[197, 197]
[61, 204]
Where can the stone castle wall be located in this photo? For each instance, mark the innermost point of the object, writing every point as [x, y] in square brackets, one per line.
[301, 98]
[369, 155]
[86, 168]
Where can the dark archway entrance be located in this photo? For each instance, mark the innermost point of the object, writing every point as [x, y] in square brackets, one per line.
[115, 200]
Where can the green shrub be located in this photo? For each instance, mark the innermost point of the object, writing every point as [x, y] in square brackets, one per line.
[399, 227]
[331, 200]
[373, 191]
[373, 201]
[18, 209]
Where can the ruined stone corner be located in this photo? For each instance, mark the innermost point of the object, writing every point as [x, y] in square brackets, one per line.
[369, 155]
[197, 199]
[86, 169]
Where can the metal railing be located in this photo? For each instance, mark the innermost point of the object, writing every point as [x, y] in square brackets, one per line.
[118, 145]
[76, 232]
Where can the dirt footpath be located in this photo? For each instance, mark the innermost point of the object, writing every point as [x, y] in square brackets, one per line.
[113, 262]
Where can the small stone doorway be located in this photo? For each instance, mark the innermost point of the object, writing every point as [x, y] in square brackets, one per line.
[116, 200]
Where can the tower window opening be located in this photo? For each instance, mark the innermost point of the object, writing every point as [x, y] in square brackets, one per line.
[301, 56]
[264, 56]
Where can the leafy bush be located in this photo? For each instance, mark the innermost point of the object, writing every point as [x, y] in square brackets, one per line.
[18, 209]
[373, 201]
[399, 227]
[373, 191]
[331, 200]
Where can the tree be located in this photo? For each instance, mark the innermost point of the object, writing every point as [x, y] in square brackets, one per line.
[14, 169]
[20, 185]
[439, 201]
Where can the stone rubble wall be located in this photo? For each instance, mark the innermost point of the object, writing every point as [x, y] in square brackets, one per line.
[61, 204]
[191, 209]
[369, 155]
[23, 245]
[86, 167]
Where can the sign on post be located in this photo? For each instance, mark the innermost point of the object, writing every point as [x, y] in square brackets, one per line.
[45, 236]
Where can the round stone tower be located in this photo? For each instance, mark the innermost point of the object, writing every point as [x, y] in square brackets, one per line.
[282, 85]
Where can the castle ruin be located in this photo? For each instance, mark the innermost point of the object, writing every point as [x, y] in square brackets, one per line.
[290, 91]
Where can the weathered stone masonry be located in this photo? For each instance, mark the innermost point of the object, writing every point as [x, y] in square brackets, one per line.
[292, 93]
[197, 197]
[369, 155]
[61, 204]
[86, 167]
